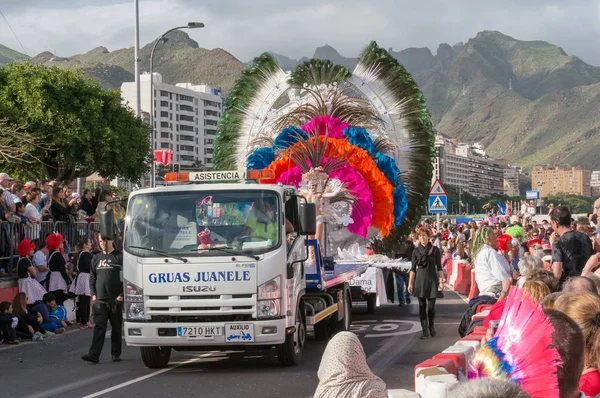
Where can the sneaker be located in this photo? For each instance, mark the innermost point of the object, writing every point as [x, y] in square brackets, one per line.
[59, 331]
[13, 342]
[89, 325]
[83, 327]
[88, 358]
[401, 304]
[37, 336]
[48, 333]
[116, 358]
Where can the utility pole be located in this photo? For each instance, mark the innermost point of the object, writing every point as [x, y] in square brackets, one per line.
[136, 55]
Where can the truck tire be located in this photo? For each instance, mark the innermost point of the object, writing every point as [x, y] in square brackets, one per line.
[371, 303]
[290, 352]
[156, 357]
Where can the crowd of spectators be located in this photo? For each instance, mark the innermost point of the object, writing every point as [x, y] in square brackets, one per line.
[555, 261]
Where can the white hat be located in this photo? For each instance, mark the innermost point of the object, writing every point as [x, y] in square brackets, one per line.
[4, 176]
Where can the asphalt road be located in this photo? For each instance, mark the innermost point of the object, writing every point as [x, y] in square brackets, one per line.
[53, 367]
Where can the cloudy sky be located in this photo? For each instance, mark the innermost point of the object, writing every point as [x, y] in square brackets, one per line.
[296, 27]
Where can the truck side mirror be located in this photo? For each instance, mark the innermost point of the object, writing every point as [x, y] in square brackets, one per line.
[107, 224]
[308, 219]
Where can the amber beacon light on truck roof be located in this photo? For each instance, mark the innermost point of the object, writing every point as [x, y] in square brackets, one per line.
[214, 176]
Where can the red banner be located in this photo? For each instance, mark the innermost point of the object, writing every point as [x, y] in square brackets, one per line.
[163, 156]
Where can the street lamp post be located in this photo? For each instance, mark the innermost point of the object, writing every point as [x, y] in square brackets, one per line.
[190, 25]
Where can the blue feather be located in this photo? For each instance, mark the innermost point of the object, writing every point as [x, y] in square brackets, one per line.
[289, 136]
[260, 158]
[388, 167]
[361, 138]
[400, 204]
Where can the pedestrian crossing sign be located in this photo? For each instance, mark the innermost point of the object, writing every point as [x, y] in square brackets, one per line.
[438, 204]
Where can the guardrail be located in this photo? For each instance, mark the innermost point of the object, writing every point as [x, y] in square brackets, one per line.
[12, 233]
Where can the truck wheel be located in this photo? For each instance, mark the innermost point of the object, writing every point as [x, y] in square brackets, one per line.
[156, 357]
[371, 303]
[290, 352]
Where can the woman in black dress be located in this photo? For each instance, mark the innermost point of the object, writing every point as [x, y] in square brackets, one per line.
[426, 275]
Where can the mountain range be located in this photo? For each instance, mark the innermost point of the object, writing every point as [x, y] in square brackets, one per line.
[525, 101]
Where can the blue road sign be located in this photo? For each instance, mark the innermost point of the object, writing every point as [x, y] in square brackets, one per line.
[438, 204]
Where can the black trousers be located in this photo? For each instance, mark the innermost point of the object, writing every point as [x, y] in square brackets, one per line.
[83, 309]
[8, 333]
[105, 311]
[427, 310]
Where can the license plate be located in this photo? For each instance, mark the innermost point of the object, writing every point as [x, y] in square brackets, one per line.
[203, 331]
[239, 332]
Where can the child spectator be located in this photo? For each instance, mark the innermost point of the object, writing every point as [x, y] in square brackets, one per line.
[44, 307]
[28, 327]
[40, 261]
[27, 272]
[8, 323]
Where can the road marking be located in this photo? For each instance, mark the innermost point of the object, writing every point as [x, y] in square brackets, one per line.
[363, 322]
[416, 327]
[158, 372]
[75, 385]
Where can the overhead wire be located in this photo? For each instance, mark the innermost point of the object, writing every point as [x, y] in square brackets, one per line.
[13, 32]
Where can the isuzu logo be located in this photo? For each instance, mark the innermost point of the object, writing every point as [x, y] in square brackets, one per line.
[189, 289]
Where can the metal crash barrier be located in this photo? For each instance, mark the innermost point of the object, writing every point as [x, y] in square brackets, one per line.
[12, 233]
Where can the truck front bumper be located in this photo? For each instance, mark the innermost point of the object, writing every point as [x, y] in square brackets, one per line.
[267, 332]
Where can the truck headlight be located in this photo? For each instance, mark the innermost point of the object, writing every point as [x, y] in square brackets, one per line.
[269, 299]
[268, 308]
[270, 290]
[133, 293]
[135, 311]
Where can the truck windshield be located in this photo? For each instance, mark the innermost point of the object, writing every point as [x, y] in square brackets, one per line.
[198, 223]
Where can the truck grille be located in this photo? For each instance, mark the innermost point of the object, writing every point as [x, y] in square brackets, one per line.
[209, 318]
[179, 307]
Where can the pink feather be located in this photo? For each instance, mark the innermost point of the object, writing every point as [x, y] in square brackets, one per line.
[322, 125]
[525, 337]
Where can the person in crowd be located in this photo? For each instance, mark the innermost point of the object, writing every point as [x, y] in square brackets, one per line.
[44, 307]
[44, 189]
[40, 261]
[106, 288]
[516, 254]
[26, 272]
[18, 192]
[8, 323]
[545, 276]
[96, 198]
[28, 327]
[59, 280]
[426, 276]
[461, 252]
[59, 207]
[405, 251]
[580, 284]
[570, 249]
[584, 309]
[86, 203]
[34, 214]
[491, 268]
[6, 182]
[550, 300]
[569, 342]
[81, 284]
[526, 265]
[344, 372]
[487, 388]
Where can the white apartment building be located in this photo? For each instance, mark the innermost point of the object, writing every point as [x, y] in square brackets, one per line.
[466, 166]
[595, 183]
[185, 117]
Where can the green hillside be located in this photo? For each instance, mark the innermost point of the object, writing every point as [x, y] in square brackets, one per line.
[7, 55]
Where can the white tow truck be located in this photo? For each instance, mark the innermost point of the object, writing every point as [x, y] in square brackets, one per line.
[212, 266]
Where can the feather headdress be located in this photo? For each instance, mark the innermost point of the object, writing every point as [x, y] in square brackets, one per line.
[349, 130]
[522, 350]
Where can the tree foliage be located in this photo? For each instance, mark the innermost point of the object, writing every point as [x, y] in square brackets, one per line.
[83, 128]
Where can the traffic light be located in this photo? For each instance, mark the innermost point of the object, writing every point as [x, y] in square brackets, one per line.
[176, 167]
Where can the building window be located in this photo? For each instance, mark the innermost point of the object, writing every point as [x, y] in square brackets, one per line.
[165, 135]
[164, 124]
[186, 118]
[164, 114]
[207, 160]
[164, 103]
[208, 151]
[165, 145]
[186, 108]
[211, 103]
[210, 132]
[186, 98]
[208, 141]
[209, 112]
[186, 138]
[164, 93]
[184, 127]
[187, 158]
[210, 122]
